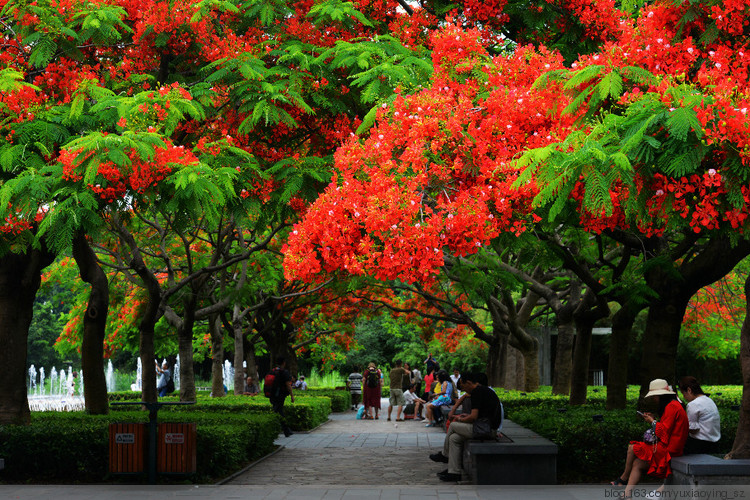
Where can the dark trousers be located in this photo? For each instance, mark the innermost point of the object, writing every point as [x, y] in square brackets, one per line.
[694, 446]
[277, 404]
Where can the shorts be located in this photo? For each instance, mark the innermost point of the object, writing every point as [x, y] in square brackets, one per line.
[397, 397]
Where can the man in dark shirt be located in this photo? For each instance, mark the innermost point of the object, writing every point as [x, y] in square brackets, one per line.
[485, 415]
[282, 386]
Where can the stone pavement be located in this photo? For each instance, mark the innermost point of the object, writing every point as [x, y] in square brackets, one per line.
[346, 451]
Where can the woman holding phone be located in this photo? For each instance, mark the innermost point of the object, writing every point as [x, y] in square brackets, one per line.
[670, 433]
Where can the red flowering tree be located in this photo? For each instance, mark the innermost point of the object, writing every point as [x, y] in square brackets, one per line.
[644, 140]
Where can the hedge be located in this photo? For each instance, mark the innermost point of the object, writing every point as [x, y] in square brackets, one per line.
[592, 451]
[73, 447]
[341, 400]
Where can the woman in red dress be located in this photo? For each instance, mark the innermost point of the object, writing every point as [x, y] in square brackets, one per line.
[671, 431]
[371, 394]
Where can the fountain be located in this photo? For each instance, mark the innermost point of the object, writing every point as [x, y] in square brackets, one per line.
[228, 375]
[176, 374]
[110, 377]
[138, 385]
[62, 394]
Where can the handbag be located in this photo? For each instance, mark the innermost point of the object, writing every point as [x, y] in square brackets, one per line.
[482, 429]
[649, 437]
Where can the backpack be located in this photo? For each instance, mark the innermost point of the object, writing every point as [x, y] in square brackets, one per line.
[373, 379]
[269, 384]
[170, 385]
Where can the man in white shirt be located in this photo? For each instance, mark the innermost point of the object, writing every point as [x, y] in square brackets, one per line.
[413, 403]
[704, 424]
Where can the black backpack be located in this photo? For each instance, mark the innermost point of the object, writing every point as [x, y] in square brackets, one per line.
[373, 380]
[170, 385]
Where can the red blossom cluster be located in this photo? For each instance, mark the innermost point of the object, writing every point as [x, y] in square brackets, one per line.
[114, 181]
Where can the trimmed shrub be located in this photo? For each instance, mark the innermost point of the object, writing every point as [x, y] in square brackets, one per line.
[304, 414]
[65, 447]
[591, 451]
[341, 400]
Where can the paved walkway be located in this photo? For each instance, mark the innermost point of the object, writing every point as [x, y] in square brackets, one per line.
[346, 451]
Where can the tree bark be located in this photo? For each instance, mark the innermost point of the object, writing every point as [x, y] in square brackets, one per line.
[217, 353]
[563, 352]
[94, 327]
[619, 343]
[531, 368]
[185, 348]
[252, 364]
[239, 351]
[741, 446]
[590, 310]
[497, 361]
[20, 277]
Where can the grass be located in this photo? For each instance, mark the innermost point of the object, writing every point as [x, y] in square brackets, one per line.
[325, 380]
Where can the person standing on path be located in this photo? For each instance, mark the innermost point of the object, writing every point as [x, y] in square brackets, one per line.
[355, 387]
[282, 387]
[372, 387]
[397, 377]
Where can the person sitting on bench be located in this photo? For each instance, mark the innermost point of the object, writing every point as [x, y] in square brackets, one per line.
[481, 423]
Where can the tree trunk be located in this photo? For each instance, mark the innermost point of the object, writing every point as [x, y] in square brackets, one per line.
[149, 314]
[185, 348]
[563, 353]
[252, 364]
[94, 327]
[20, 277]
[590, 310]
[580, 376]
[497, 361]
[617, 368]
[531, 367]
[217, 353]
[741, 446]
[661, 338]
[707, 263]
[239, 351]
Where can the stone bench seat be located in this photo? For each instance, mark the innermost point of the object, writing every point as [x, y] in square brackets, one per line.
[518, 456]
[701, 469]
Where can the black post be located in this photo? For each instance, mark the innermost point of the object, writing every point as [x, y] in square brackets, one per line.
[153, 409]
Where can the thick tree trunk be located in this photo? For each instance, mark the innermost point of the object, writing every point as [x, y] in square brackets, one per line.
[20, 277]
[590, 310]
[239, 351]
[185, 348]
[497, 361]
[661, 338]
[252, 363]
[563, 353]
[741, 446]
[705, 263]
[531, 367]
[217, 353]
[617, 369]
[580, 377]
[94, 328]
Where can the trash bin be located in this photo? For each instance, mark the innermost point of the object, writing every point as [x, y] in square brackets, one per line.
[176, 448]
[127, 448]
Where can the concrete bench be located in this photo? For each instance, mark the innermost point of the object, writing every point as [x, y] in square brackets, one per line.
[519, 456]
[699, 469]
